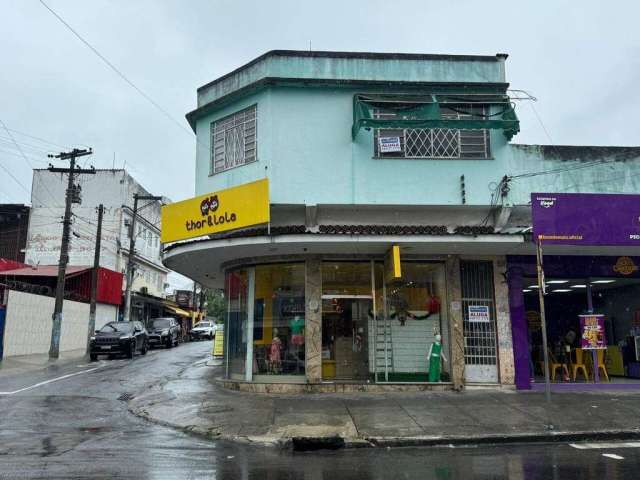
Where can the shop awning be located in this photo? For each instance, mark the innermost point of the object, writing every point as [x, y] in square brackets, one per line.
[425, 111]
[177, 311]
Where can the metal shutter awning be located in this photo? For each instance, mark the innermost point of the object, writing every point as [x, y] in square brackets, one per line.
[424, 111]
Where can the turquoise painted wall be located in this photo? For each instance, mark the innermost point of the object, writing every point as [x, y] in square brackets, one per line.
[305, 148]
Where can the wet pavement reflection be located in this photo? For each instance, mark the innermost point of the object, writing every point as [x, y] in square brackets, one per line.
[79, 429]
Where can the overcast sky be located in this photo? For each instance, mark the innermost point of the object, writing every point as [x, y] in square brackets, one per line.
[580, 59]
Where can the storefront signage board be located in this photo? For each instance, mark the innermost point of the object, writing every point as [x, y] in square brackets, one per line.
[221, 211]
[592, 332]
[392, 264]
[218, 345]
[479, 314]
[586, 218]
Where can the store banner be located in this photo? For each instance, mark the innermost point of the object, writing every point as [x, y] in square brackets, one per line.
[586, 218]
[216, 212]
[218, 345]
[592, 332]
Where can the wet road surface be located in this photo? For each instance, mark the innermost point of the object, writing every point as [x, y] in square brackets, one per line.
[76, 427]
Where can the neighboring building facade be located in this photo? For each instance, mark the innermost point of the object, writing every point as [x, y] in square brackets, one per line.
[363, 152]
[115, 190]
[14, 224]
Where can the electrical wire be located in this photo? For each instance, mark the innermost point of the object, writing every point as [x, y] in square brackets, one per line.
[117, 71]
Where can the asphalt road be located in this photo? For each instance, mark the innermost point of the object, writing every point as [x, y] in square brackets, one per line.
[76, 427]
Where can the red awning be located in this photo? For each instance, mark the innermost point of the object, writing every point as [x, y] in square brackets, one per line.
[44, 271]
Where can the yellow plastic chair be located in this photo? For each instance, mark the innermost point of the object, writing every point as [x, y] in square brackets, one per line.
[554, 365]
[579, 365]
[601, 365]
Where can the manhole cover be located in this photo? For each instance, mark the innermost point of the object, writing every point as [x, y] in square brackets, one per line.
[126, 396]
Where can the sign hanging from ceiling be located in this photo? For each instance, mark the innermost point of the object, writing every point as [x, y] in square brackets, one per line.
[586, 218]
[221, 211]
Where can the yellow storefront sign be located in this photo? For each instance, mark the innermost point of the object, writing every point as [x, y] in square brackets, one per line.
[393, 269]
[215, 212]
[218, 345]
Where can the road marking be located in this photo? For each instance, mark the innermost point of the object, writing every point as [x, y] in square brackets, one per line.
[613, 455]
[50, 381]
[603, 445]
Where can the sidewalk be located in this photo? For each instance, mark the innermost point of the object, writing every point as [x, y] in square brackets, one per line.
[193, 402]
[28, 363]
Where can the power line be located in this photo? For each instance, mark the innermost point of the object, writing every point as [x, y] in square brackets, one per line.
[42, 139]
[117, 71]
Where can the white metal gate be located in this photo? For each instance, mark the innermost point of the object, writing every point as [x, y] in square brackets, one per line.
[478, 305]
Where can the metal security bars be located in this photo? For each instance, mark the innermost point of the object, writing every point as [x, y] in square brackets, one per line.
[234, 140]
[444, 143]
[478, 305]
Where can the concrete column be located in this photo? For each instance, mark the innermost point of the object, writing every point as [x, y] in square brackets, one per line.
[454, 292]
[313, 320]
[503, 321]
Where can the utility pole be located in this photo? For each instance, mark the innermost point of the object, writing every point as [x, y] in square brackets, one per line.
[71, 195]
[94, 277]
[132, 249]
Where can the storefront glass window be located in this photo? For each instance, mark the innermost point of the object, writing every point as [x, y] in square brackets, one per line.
[236, 291]
[406, 329]
[278, 326]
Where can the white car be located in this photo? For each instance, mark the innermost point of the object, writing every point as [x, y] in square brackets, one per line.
[204, 329]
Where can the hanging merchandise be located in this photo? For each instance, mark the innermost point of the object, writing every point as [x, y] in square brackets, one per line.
[433, 304]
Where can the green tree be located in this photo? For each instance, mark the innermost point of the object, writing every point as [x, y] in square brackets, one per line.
[216, 307]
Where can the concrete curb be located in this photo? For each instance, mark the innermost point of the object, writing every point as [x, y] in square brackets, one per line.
[334, 443]
[156, 395]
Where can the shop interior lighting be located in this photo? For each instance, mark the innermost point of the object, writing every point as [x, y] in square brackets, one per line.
[562, 290]
[551, 282]
[579, 286]
[603, 281]
[526, 290]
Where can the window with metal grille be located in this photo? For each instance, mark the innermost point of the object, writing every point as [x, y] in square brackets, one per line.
[234, 141]
[438, 142]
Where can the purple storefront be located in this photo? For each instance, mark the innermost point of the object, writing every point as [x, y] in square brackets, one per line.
[591, 246]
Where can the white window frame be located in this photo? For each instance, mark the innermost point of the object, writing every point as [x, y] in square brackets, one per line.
[234, 140]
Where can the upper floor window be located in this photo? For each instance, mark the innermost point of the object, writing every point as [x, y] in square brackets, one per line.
[233, 140]
[435, 142]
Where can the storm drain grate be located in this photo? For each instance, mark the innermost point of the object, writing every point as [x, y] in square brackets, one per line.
[310, 444]
[126, 396]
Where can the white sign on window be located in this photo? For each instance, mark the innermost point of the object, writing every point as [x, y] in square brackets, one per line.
[479, 313]
[389, 144]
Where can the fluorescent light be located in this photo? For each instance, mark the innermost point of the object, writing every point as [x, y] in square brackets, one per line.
[534, 286]
[603, 281]
[526, 290]
[578, 286]
[551, 282]
[562, 290]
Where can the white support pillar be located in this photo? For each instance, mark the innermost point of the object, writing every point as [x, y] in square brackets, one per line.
[251, 296]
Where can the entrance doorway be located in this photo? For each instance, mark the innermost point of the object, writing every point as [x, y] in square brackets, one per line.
[345, 336]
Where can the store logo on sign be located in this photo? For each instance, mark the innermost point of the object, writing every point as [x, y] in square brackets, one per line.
[625, 266]
[208, 207]
[546, 202]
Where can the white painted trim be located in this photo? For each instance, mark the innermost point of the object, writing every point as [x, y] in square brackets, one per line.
[251, 295]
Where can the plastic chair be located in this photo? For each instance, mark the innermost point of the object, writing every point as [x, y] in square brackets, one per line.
[601, 365]
[579, 365]
[554, 365]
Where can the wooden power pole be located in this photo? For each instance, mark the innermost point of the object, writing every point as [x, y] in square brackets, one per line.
[70, 197]
[94, 278]
[132, 250]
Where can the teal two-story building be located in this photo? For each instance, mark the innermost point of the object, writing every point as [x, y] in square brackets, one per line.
[364, 152]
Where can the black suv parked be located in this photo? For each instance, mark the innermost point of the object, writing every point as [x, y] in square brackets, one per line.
[164, 331]
[119, 338]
